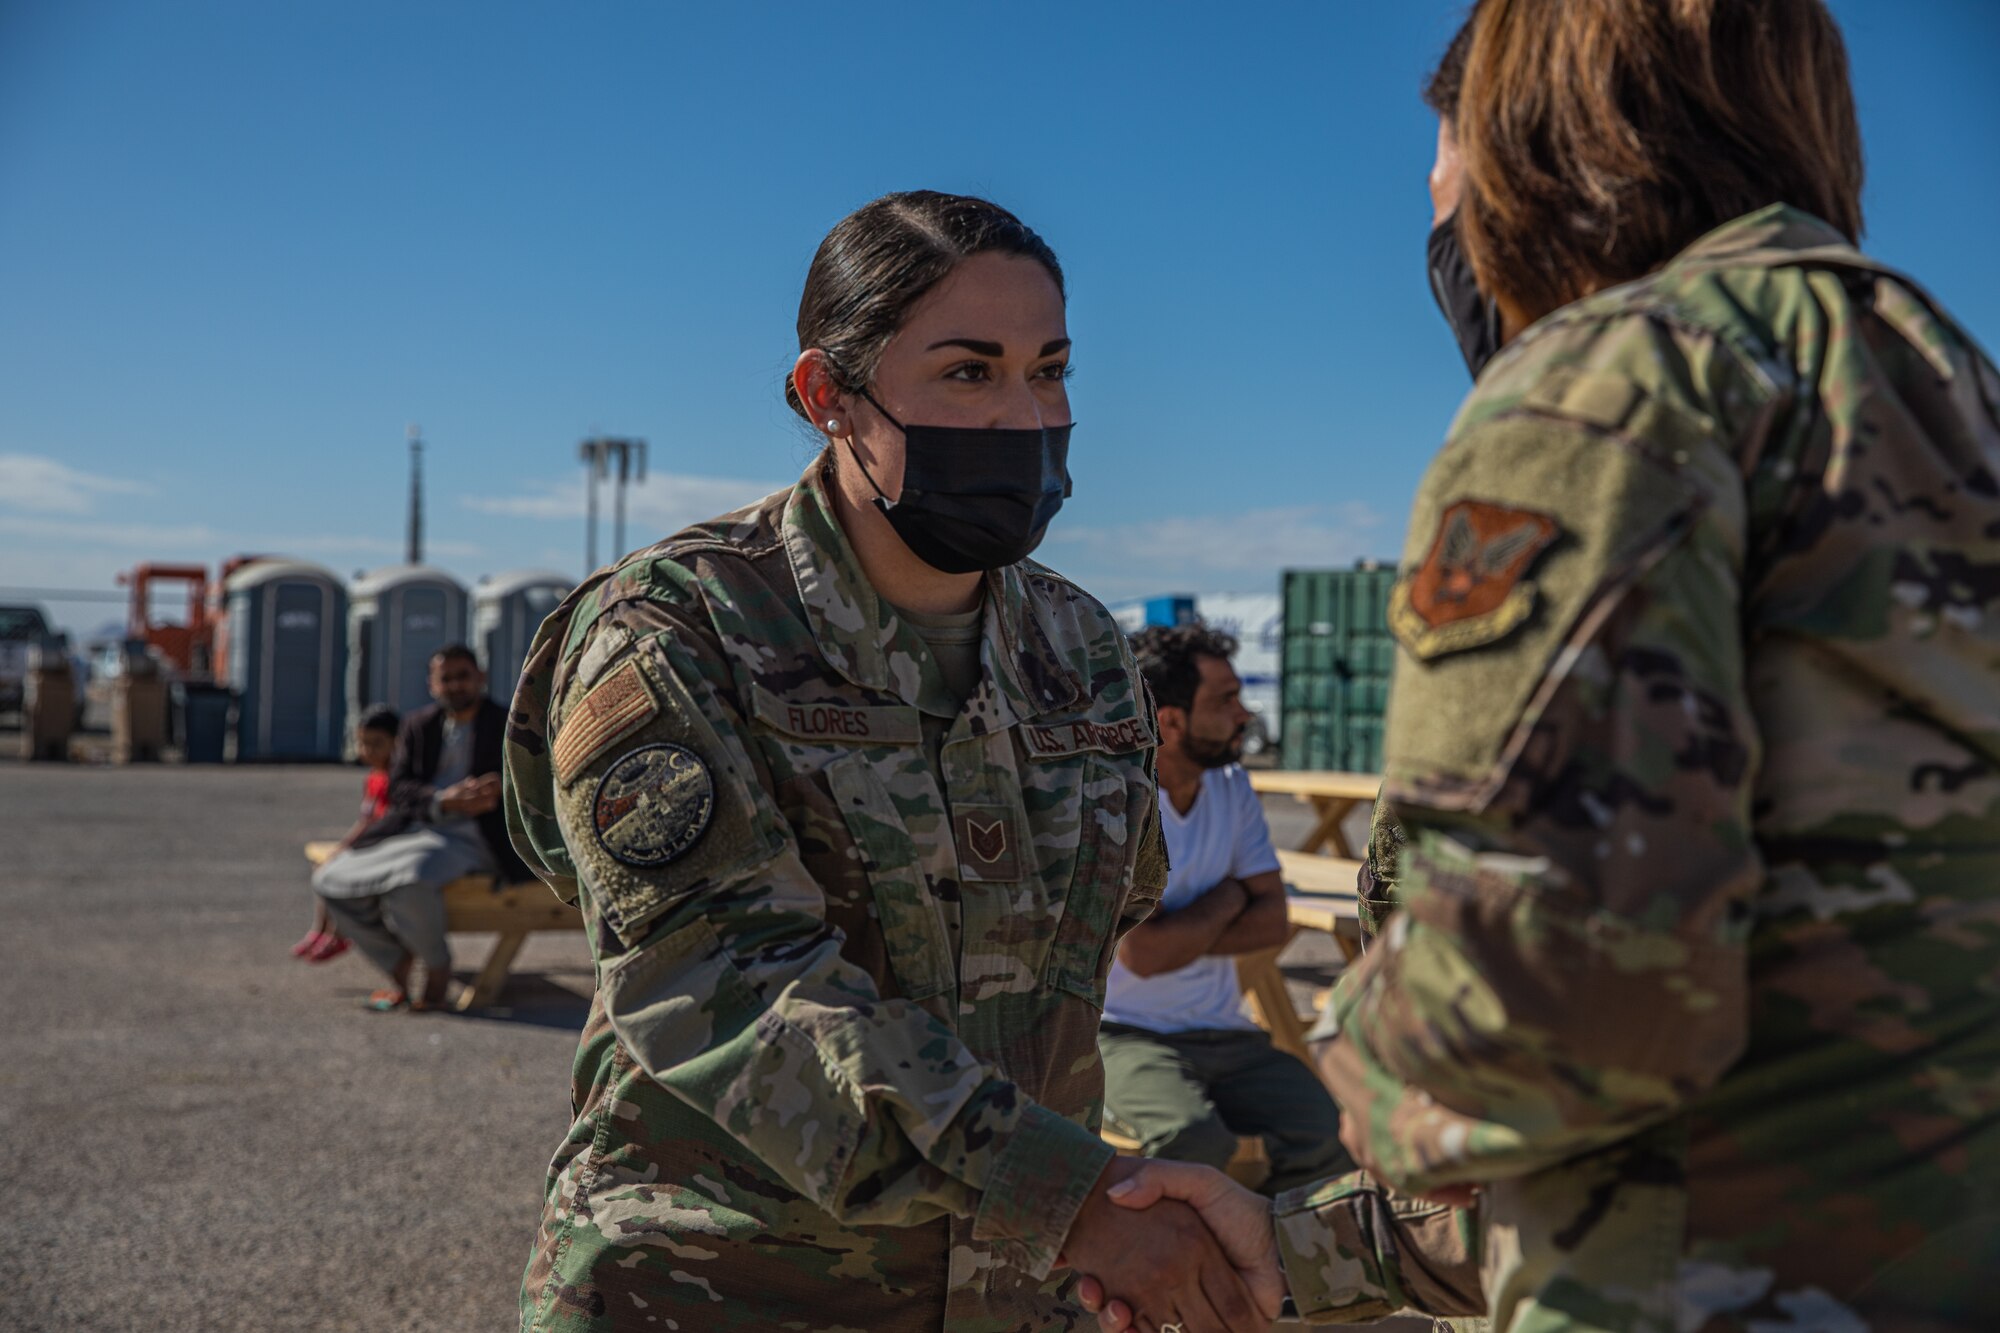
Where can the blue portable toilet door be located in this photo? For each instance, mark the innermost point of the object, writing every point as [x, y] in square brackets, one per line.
[495, 646]
[521, 621]
[418, 622]
[297, 662]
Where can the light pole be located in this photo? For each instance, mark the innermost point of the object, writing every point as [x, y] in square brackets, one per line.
[597, 454]
[628, 471]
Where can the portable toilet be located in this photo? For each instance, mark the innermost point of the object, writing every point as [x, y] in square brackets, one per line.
[507, 610]
[398, 618]
[287, 660]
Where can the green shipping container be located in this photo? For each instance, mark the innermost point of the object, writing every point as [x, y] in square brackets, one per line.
[1338, 657]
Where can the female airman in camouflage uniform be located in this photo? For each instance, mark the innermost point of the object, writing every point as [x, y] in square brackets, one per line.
[856, 800]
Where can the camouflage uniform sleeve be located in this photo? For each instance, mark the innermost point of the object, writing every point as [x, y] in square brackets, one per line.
[1354, 1252]
[725, 982]
[1375, 887]
[1572, 757]
[1149, 870]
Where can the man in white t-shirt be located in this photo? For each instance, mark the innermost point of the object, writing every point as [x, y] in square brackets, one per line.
[1186, 1072]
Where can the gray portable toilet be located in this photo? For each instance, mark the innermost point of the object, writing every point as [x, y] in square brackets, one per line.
[287, 660]
[398, 617]
[507, 610]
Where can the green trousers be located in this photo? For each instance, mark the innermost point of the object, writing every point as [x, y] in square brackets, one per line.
[1189, 1096]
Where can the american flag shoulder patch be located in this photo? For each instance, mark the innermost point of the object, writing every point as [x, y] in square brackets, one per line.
[614, 708]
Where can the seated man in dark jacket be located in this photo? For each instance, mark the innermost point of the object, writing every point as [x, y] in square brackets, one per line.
[444, 821]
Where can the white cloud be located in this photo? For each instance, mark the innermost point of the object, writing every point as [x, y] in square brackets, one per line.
[57, 506]
[1216, 552]
[40, 485]
[176, 538]
[1176, 553]
[170, 537]
[661, 504]
[60, 545]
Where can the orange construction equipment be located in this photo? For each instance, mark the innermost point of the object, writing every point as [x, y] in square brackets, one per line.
[188, 647]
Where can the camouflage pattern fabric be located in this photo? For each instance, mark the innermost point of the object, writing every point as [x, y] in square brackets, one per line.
[841, 1071]
[1695, 737]
[1356, 1252]
[1375, 890]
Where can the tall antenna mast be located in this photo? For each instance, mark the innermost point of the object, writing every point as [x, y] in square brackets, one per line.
[415, 553]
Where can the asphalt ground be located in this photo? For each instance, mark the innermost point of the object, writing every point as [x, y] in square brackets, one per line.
[199, 1132]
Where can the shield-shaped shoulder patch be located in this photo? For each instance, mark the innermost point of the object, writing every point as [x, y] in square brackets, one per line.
[1471, 588]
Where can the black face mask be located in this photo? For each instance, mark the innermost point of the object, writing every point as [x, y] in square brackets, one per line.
[1474, 319]
[975, 498]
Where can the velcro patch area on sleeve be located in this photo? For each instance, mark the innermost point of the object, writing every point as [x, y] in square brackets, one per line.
[614, 708]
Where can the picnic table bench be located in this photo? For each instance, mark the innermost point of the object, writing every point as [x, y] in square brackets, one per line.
[1332, 795]
[474, 904]
[1319, 895]
[1319, 880]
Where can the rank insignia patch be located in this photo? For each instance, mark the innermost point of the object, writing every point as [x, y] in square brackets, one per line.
[653, 804]
[988, 841]
[986, 848]
[1469, 591]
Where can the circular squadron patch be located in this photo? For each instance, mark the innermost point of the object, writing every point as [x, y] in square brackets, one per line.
[654, 804]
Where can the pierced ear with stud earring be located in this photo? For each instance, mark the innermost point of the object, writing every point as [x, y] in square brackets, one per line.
[832, 426]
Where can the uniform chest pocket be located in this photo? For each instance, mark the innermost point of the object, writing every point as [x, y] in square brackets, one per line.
[1087, 931]
[912, 927]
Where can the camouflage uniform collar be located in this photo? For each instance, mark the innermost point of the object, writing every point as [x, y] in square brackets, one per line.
[1776, 227]
[861, 636]
[1773, 236]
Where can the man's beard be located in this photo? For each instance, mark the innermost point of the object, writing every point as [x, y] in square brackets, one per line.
[1213, 754]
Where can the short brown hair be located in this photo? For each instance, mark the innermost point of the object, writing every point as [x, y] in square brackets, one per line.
[1602, 137]
[1166, 656]
[1441, 87]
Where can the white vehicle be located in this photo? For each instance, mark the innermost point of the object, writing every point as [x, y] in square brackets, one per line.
[1257, 622]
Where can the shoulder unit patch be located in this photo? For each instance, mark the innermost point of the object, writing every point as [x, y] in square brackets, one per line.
[653, 804]
[1470, 589]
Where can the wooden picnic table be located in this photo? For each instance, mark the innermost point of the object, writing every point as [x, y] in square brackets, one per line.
[474, 904]
[1319, 895]
[1331, 795]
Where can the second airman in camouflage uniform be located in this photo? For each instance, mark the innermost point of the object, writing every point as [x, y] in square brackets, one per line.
[1694, 963]
[1696, 741]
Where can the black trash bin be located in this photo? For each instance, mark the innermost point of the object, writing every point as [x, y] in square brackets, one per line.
[204, 721]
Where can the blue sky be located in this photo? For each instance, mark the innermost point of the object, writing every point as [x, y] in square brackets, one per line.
[243, 244]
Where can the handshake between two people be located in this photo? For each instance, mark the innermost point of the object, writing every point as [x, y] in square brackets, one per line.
[1166, 1246]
